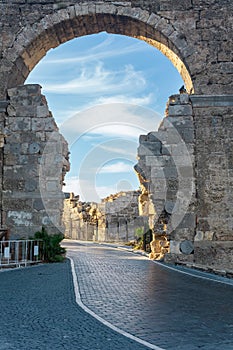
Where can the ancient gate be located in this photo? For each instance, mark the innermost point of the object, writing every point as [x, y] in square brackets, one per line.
[196, 35]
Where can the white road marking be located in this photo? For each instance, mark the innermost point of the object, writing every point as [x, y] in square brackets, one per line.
[100, 319]
[213, 279]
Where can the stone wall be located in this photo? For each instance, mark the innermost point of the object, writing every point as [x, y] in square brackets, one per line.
[166, 173]
[78, 218]
[115, 219]
[185, 171]
[3, 106]
[120, 217]
[35, 161]
[213, 241]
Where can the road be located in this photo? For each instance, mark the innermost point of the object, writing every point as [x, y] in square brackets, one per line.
[109, 299]
[164, 307]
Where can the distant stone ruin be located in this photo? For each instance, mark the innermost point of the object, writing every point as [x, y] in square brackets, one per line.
[115, 219]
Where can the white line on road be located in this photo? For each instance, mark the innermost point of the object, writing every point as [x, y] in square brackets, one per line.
[106, 323]
[197, 274]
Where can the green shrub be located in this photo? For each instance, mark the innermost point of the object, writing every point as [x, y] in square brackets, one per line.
[52, 251]
[139, 234]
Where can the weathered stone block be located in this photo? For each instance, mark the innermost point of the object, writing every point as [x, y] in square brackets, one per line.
[42, 112]
[182, 110]
[20, 123]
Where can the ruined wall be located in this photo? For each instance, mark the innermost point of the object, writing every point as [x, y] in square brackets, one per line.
[120, 217]
[35, 161]
[78, 219]
[115, 219]
[185, 170]
[196, 35]
[166, 172]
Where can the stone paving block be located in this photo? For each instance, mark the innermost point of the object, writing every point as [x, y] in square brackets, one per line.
[169, 320]
[47, 316]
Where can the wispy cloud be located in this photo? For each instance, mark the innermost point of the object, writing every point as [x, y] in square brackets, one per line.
[98, 80]
[140, 101]
[63, 115]
[106, 49]
[117, 130]
[120, 149]
[119, 167]
[90, 192]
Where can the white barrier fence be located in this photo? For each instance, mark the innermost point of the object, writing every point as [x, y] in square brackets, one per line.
[20, 253]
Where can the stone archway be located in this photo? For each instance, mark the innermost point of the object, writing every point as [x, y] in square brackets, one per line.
[197, 39]
[50, 30]
[35, 39]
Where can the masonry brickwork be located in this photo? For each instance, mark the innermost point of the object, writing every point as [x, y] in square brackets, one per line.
[196, 35]
[185, 171]
[36, 159]
[166, 173]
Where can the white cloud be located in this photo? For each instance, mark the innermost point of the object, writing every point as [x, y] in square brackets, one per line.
[88, 191]
[116, 130]
[97, 80]
[120, 150]
[115, 120]
[105, 191]
[140, 101]
[106, 49]
[119, 167]
[63, 115]
[72, 185]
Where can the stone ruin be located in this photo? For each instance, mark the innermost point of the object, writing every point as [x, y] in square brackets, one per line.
[115, 219]
[186, 176]
[36, 159]
[165, 171]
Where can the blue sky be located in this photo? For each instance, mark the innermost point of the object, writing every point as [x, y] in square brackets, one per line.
[104, 91]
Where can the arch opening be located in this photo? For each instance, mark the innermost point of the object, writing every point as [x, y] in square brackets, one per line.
[124, 98]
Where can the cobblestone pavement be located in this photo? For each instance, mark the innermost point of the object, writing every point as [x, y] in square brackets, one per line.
[164, 307]
[39, 312]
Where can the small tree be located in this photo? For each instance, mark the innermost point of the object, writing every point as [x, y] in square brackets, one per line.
[52, 250]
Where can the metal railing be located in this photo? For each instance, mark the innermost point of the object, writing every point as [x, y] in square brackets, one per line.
[20, 253]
